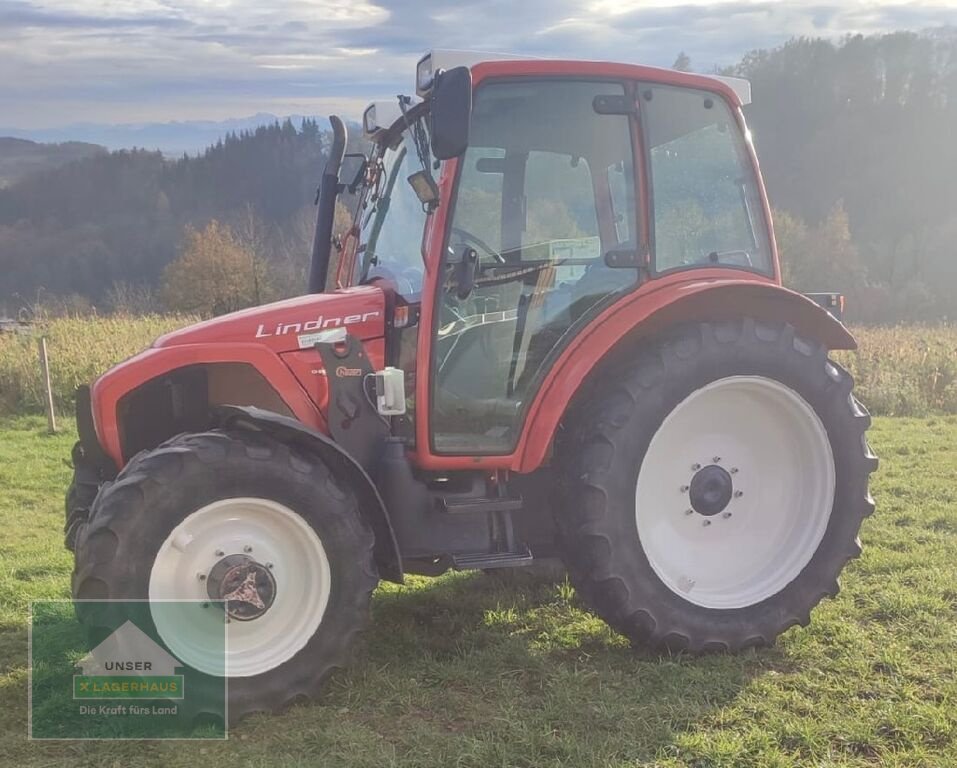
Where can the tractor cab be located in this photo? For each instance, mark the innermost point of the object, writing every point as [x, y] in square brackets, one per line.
[512, 202]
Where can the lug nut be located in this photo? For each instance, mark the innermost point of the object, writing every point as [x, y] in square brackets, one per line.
[201, 576]
[738, 494]
[219, 553]
[716, 459]
[734, 470]
[706, 523]
[689, 511]
[247, 549]
[269, 565]
[684, 488]
[726, 515]
[695, 467]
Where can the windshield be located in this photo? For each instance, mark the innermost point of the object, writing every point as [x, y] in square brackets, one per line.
[392, 220]
[707, 207]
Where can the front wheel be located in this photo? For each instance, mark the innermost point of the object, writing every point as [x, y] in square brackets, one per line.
[716, 488]
[252, 526]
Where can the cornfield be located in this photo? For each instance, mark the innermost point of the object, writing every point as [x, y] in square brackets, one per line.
[906, 370]
[79, 350]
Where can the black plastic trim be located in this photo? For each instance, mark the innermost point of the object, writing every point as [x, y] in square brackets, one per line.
[90, 451]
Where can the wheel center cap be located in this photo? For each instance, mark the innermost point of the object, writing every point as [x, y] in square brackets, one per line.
[710, 490]
[246, 586]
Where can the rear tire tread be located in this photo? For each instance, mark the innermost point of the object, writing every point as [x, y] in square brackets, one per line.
[586, 450]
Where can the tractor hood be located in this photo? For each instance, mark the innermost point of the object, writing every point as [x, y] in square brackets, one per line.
[291, 324]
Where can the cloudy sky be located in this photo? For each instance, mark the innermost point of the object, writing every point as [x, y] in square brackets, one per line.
[64, 61]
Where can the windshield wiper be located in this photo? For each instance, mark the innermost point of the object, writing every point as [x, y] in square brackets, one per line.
[381, 199]
[420, 139]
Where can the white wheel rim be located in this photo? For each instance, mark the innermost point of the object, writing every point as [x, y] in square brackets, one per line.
[275, 537]
[777, 454]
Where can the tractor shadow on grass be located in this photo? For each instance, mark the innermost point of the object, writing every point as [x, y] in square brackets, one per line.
[516, 657]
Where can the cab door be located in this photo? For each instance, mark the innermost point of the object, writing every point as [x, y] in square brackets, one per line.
[543, 234]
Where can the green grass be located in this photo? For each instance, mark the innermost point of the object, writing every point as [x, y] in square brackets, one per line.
[467, 671]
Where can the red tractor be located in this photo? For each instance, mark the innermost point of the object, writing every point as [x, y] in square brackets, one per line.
[554, 329]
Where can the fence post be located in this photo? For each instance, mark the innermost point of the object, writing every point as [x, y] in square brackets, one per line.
[45, 370]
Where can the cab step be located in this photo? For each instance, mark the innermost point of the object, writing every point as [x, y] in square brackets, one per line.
[471, 505]
[485, 561]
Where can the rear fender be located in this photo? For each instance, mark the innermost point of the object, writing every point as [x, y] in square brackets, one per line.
[344, 466]
[646, 314]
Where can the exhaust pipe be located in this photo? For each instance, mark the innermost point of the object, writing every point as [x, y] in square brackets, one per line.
[326, 213]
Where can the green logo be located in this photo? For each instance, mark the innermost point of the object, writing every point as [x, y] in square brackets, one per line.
[127, 687]
[100, 670]
[129, 664]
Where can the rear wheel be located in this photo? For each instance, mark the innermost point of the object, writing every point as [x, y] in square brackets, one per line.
[716, 487]
[244, 519]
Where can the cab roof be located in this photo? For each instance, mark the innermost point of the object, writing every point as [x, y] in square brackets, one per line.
[439, 59]
[380, 116]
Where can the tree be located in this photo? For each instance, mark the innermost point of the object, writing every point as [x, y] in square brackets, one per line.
[214, 273]
[822, 257]
[682, 63]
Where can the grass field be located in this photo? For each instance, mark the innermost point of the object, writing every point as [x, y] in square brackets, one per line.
[468, 671]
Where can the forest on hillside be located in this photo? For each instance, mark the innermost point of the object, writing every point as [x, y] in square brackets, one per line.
[20, 158]
[855, 141]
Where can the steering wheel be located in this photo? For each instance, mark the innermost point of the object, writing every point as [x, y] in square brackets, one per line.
[470, 239]
[407, 280]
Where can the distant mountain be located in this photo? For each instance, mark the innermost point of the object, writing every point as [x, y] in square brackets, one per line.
[172, 138]
[19, 157]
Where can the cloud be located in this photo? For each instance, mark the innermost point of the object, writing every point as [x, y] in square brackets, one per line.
[133, 60]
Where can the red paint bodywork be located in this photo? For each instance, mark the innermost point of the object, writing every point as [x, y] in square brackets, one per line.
[267, 337]
[277, 326]
[241, 337]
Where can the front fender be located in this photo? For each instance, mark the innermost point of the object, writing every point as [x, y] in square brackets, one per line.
[340, 463]
[109, 388]
[644, 314]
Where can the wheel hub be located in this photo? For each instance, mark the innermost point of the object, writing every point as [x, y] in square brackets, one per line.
[710, 490]
[246, 587]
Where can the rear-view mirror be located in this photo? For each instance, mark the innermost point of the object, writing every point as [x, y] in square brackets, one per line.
[353, 170]
[451, 112]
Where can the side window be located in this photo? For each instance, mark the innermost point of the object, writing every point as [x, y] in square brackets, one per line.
[561, 219]
[707, 210]
[478, 206]
[527, 204]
